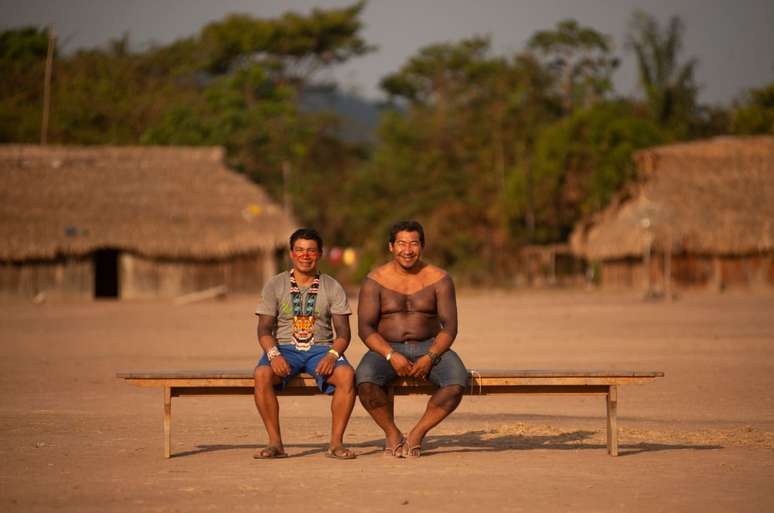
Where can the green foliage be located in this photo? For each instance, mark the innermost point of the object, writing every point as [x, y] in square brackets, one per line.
[294, 46]
[235, 84]
[489, 152]
[669, 86]
[468, 117]
[22, 66]
[23, 44]
[581, 59]
[580, 162]
[754, 114]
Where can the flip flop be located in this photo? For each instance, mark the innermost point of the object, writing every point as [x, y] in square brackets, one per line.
[340, 453]
[270, 452]
[396, 451]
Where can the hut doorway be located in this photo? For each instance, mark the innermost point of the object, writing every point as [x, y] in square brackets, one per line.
[106, 273]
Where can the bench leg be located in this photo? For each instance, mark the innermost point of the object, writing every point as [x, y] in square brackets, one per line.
[612, 422]
[167, 421]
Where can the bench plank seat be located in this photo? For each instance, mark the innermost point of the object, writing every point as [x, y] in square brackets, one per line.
[177, 383]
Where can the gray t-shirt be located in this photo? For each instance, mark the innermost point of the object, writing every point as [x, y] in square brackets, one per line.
[275, 301]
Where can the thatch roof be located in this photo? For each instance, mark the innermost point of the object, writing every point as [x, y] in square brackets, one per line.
[162, 202]
[710, 197]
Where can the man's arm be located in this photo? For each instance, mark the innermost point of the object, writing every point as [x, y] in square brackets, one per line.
[267, 341]
[343, 335]
[446, 306]
[340, 344]
[368, 315]
[446, 302]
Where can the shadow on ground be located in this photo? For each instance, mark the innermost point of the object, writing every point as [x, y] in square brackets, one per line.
[475, 441]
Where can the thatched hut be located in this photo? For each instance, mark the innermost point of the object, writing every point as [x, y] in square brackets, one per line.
[131, 222]
[701, 214]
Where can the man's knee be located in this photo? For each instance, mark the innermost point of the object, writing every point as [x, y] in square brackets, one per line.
[344, 379]
[264, 377]
[371, 396]
[448, 398]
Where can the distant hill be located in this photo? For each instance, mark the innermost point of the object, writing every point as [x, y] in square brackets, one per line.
[360, 117]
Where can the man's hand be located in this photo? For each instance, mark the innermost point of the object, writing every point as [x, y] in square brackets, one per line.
[326, 365]
[280, 366]
[401, 364]
[421, 367]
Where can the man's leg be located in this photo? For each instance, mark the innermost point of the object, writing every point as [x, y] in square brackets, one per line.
[268, 406]
[343, 378]
[374, 399]
[444, 401]
[372, 374]
[451, 377]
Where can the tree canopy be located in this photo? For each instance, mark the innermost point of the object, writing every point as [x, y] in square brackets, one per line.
[491, 152]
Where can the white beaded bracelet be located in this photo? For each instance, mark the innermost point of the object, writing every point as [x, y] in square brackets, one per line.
[272, 353]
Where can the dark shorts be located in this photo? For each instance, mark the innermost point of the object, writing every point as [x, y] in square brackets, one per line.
[305, 361]
[374, 368]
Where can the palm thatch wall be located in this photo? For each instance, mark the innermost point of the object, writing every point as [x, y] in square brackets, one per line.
[175, 220]
[701, 213]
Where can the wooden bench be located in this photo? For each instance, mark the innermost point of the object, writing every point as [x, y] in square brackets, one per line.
[480, 382]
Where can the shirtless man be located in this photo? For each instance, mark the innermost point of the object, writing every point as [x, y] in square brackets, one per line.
[407, 316]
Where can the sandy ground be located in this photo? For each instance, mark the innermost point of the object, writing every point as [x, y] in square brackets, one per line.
[76, 438]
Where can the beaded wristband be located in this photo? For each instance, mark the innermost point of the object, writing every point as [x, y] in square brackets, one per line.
[272, 353]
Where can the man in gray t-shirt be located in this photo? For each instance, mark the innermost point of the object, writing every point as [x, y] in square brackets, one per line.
[303, 326]
[276, 302]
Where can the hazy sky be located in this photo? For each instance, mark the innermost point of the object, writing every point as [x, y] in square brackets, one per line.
[733, 40]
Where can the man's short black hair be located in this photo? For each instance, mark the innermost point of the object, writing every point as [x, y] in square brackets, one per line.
[308, 234]
[407, 226]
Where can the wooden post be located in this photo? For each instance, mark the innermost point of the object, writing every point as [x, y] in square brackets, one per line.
[47, 87]
[668, 266]
[167, 421]
[287, 205]
[612, 421]
[646, 267]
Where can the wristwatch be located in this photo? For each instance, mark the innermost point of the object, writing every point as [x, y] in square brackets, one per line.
[434, 357]
[389, 355]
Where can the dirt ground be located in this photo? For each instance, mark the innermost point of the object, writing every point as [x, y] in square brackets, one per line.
[76, 438]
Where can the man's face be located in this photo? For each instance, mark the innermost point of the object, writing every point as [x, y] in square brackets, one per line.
[406, 249]
[304, 254]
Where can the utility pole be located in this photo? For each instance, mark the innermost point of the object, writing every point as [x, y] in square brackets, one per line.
[288, 206]
[530, 215]
[47, 86]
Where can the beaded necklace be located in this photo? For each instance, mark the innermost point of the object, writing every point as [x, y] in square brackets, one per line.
[303, 314]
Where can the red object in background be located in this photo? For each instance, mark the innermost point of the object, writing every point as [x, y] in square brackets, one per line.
[335, 255]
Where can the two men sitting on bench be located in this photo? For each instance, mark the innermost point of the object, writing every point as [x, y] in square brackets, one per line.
[407, 317]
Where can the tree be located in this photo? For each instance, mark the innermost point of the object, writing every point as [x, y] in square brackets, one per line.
[754, 112]
[668, 84]
[292, 48]
[22, 65]
[580, 162]
[463, 122]
[582, 60]
[237, 83]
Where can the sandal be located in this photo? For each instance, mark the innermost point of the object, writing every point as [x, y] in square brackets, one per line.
[396, 451]
[340, 453]
[270, 452]
[414, 451]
